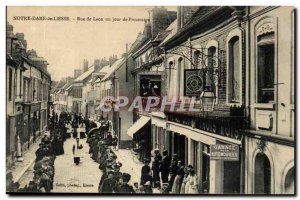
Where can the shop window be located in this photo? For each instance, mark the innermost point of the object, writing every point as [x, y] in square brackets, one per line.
[262, 174]
[234, 70]
[265, 68]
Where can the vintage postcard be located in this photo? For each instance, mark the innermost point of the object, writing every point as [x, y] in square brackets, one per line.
[156, 100]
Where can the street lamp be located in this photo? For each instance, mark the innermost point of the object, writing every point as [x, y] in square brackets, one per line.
[207, 99]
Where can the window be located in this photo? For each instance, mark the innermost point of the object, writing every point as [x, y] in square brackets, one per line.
[211, 64]
[196, 59]
[25, 90]
[234, 70]
[179, 77]
[10, 85]
[265, 68]
[20, 83]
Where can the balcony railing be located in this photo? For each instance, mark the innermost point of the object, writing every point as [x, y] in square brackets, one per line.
[224, 120]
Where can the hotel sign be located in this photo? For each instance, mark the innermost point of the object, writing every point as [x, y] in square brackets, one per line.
[193, 82]
[224, 152]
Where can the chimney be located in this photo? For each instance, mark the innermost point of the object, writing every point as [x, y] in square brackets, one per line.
[9, 30]
[32, 53]
[97, 64]
[85, 65]
[147, 30]
[187, 12]
[160, 19]
[77, 72]
[21, 38]
[179, 17]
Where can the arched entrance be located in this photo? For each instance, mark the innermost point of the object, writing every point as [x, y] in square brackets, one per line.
[289, 183]
[262, 177]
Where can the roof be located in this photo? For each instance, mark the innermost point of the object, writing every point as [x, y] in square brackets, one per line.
[201, 20]
[83, 76]
[140, 40]
[172, 31]
[114, 67]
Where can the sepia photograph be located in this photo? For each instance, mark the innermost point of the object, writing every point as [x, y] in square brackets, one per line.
[150, 100]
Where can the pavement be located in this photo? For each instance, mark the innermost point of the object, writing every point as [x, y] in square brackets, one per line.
[19, 169]
[83, 178]
[131, 165]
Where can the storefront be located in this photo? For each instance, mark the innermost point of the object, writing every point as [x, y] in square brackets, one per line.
[140, 132]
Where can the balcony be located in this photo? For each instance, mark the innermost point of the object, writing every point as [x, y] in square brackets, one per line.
[224, 120]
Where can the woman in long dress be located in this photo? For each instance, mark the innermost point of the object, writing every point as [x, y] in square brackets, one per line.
[192, 183]
[185, 179]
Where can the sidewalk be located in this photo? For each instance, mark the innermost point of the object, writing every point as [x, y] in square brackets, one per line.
[20, 168]
[131, 165]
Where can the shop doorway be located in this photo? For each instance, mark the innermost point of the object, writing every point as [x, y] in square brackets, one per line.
[231, 177]
[262, 177]
[180, 146]
[289, 183]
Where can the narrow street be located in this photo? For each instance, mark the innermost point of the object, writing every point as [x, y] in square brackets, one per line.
[69, 177]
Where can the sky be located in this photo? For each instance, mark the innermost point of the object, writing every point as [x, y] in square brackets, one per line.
[64, 44]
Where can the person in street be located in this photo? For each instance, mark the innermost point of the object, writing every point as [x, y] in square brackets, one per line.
[178, 179]
[108, 184]
[165, 167]
[115, 142]
[136, 187]
[155, 168]
[148, 188]
[173, 170]
[77, 151]
[109, 139]
[192, 183]
[124, 187]
[145, 172]
[116, 171]
[187, 185]
[184, 181]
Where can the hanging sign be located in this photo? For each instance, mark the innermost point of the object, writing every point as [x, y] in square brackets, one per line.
[193, 82]
[224, 152]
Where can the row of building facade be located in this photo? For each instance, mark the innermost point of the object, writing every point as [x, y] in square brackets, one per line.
[244, 56]
[250, 52]
[27, 95]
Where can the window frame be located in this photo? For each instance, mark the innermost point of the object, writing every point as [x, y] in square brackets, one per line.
[213, 43]
[257, 28]
[234, 33]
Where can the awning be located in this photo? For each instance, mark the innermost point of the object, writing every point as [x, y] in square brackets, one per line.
[138, 125]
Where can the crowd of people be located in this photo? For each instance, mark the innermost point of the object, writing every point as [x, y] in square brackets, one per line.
[51, 145]
[169, 174]
[102, 143]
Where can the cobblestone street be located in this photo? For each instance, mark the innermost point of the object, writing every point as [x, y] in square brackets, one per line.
[83, 178]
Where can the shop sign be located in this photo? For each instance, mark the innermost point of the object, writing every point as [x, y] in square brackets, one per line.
[193, 82]
[224, 152]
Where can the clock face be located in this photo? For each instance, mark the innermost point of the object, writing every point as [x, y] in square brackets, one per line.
[194, 83]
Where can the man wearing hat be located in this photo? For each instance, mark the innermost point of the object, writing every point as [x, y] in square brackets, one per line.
[145, 170]
[107, 170]
[145, 173]
[155, 168]
[108, 184]
[165, 167]
[124, 187]
[116, 171]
